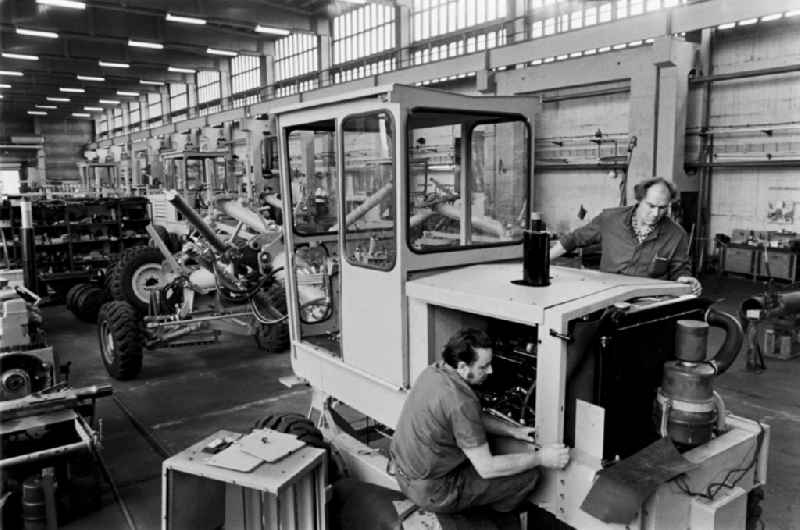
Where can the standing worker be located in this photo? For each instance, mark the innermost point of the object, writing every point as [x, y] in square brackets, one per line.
[442, 459]
[639, 240]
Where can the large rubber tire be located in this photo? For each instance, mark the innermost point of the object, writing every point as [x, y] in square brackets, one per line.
[120, 337]
[274, 338]
[305, 431]
[137, 268]
[73, 293]
[169, 239]
[87, 303]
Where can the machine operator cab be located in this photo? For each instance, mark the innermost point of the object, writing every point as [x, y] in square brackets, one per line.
[198, 176]
[102, 179]
[404, 215]
[384, 185]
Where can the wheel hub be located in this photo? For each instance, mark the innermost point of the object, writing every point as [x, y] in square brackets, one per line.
[146, 277]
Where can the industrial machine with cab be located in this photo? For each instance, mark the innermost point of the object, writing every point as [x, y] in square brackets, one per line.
[404, 215]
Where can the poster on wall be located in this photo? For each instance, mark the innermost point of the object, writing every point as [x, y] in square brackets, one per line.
[782, 203]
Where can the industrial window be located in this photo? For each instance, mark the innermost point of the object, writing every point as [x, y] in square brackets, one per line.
[208, 86]
[550, 16]
[116, 114]
[362, 32]
[466, 166]
[102, 127]
[295, 56]
[364, 70]
[154, 109]
[369, 191]
[245, 73]
[314, 183]
[178, 97]
[431, 18]
[297, 86]
[134, 113]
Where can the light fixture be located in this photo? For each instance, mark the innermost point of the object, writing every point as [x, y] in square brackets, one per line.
[144, 44]
[185, 20]
[729, 25]
[72, 4]
[127, 93]
[4, 85]
[271, 30]
[73, 90]
[59, 100]
[20, 56]
[178, 70]
[1, 96]
[770, 18]
[81, 114]
[37, 113]
[93, 108]
[107, 64]
[36, 33]
[109, 101]
[49, 107]
[792, 13]
[748, 22]
[11, 73]
[152, 83]
[226, 53]
[90, 78]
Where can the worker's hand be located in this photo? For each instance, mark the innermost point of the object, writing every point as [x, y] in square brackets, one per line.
[554, 456]
[697, 288]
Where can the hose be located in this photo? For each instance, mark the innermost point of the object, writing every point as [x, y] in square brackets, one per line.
[734, 336]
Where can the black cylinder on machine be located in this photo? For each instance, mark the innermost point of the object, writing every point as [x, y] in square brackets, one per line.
[536, 254]
[34, 508]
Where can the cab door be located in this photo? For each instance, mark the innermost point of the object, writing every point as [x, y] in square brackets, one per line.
[372, 308]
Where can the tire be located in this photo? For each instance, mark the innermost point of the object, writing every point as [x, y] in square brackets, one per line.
[169, 239]
[137, 268]
[120, 340]
[73, 293]
[305, 431]
[87, 304]
[274, 338]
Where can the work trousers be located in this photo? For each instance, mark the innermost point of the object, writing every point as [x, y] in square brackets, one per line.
[463, 488]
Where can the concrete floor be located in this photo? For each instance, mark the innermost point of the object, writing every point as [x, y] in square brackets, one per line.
[183, 395]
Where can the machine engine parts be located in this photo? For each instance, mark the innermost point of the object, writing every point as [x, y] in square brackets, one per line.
[687, 409]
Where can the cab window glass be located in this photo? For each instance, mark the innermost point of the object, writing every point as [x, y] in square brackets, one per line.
[369, 190]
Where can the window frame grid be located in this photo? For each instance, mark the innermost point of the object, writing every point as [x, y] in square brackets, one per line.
[245, 74]
[362, 32]
[209, 87]
[178, 96]
[137, 112]
[296, 56]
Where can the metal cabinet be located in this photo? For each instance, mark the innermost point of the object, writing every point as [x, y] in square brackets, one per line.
[782, 264]
[738, 259]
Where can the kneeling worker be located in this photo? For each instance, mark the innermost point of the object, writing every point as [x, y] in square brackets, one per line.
[442, 459]
[638, 240]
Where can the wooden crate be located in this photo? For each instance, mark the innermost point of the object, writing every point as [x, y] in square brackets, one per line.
[287, 495]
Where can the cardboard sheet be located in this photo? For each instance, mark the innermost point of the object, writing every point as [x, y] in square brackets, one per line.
[620, 490]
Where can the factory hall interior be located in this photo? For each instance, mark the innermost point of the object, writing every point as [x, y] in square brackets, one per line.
[400, 264]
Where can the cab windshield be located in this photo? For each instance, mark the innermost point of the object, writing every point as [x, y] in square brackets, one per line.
[468, 179]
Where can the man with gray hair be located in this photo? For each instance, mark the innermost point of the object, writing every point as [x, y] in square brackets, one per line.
[639, 240]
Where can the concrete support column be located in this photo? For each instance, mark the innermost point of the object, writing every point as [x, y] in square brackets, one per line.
[191, 98]
[144, 110]
[325, 50]
[268, 70]
[166, 108]
[225, 90]
[403, 34]
[658, 114]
